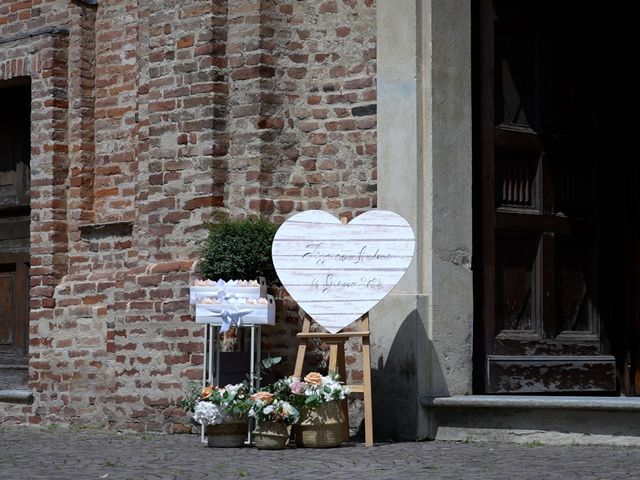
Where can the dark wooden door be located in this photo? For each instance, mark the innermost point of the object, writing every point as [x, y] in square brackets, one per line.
[14, 233]
[546, 199]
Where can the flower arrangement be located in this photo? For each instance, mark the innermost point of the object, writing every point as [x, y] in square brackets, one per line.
[216, 405]
[268, 407]
[315, 389]
[310, 404]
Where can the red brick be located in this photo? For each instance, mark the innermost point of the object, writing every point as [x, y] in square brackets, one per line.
[329, 7]
[202, 202]
[186, 41]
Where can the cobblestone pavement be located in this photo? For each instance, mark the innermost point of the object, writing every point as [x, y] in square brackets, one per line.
[28, 453]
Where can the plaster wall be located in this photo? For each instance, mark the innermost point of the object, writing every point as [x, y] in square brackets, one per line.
[422, 332]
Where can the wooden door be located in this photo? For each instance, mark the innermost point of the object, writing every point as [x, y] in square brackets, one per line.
[14, 233]
[542, 274]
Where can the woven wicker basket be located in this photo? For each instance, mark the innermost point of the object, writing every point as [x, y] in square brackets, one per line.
[321, 427]
[227, 434]
[270, 435]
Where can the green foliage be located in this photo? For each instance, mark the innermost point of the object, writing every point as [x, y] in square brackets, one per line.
[191, 397]
[239, 250]
[266, 364]
[313, 400]
[270, 361]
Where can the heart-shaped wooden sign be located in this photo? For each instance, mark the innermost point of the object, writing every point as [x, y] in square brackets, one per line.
[338, 272]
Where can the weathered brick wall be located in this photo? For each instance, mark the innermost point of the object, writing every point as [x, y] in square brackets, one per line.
[148, 120]
[302, 107]
[35, 41]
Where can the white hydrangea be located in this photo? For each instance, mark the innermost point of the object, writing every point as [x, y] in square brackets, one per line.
[206, 413]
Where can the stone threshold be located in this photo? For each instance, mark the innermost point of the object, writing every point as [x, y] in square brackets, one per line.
[534, 401]
[16, 396]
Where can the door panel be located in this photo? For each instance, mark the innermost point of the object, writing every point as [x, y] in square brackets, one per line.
[14, 232]
[7, 308]
[539, 157]
[14, 285]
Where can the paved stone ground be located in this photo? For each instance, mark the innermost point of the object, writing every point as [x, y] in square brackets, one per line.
[28, 453]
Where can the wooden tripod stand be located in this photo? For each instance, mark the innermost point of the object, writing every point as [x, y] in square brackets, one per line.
[336, 343]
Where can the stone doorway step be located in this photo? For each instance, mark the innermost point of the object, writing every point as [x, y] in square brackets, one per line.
[13, 384]
[552, 420]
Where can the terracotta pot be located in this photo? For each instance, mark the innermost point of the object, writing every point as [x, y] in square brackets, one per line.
[270, 435]
[321, 427]
[231, 434]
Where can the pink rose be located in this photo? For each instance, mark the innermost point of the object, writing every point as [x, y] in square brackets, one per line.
[298, 387]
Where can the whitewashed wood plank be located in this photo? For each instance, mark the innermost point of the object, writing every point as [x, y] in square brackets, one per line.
[384, 217]
[340, 254]
[332, 262]
[343, 307]
[327, 232]
[310, 293]
[353, 281]
[353, 248]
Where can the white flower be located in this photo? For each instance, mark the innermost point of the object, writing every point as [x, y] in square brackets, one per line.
[289, 411]
[233, 389]
[206, 413]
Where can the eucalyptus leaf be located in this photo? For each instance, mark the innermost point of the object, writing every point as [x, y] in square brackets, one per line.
[312, 399]
[270, 362]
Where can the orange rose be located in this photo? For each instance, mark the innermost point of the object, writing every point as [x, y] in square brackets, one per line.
[265, 397]
[206, 392]
[313, 378]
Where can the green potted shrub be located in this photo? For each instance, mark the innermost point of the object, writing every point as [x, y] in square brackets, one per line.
[239, 249]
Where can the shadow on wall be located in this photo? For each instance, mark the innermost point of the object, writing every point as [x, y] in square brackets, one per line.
[396, 382]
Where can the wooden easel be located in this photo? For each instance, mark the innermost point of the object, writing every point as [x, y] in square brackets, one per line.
[336, 343]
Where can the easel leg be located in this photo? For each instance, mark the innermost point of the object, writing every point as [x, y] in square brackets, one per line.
[302, 348]
[333, 358]
[368, 407]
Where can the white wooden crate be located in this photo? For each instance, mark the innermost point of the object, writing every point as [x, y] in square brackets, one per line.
[197, 293]
[258, 314]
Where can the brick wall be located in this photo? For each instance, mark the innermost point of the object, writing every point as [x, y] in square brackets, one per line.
[148, 120]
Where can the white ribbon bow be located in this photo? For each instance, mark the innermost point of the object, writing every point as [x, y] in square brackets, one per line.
[230, 318]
